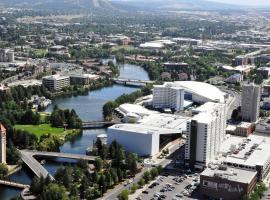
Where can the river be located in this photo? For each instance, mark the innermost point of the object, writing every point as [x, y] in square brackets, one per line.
[88, 107]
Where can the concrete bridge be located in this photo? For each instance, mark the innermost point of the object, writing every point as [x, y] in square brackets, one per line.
[13, 184]
[27, 157]
[97, 124]
[131, 81]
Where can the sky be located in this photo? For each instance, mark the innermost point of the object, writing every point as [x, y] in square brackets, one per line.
[247, 2]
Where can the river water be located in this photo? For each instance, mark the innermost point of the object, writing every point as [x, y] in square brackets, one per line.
[88, 107]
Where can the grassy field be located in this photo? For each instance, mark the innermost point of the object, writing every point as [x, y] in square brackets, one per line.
[126, 47]
[42, 129]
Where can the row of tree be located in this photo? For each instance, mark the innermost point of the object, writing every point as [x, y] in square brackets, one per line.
[69, 118]
[81, 182]
[109, 107]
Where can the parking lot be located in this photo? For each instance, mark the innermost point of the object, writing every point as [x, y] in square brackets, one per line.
[172, 186]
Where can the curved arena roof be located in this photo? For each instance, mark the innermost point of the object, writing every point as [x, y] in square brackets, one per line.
[201, 89]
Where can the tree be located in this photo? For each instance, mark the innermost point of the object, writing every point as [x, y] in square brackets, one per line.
[3, 170]
[141, 182]
[108, 108]
[134, 187]
[123, 195]
[147, 176]
[154, 172]
[98, 164]
[54, 192]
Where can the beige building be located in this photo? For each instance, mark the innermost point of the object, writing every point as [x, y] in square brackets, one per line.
[250, 109]
[3, 143]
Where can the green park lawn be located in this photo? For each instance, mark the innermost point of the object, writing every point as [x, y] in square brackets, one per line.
[42, 129]
[126, 47]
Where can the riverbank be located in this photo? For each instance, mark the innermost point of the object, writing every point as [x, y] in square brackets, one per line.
[12, 169]
[89, 108]
[76, 90]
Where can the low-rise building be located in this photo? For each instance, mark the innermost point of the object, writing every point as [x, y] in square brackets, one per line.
[235, 78]
[244, 129]
[227, 183]
[249, 153]
[178, 67]
[264, 72]
[82, 79]
[59, 50]
[56, 82]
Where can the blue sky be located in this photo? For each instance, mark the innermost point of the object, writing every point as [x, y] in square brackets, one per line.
[247, 2]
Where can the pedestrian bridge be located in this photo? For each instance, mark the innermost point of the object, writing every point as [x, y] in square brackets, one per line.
[131, 81]
[97, 124]
[13, 184]
[27, 157]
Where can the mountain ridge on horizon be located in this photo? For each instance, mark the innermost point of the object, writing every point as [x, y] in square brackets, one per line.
[124, 5]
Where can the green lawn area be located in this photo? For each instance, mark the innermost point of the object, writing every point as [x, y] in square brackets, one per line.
[42, 129]
[126, 47]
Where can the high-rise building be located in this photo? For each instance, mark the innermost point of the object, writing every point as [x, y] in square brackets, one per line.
[168, 97]
[3, 142]
[250, 102]
[205, 133]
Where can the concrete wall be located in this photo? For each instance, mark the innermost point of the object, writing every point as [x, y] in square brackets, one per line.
[142, 144]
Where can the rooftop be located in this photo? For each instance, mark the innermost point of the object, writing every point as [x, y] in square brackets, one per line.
[198, 88]
[250, 151]
[55, 77]
[167, 121]
[136, 128]
[231, 174]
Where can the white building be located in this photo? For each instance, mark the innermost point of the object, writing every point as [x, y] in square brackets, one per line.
[205, 133]
[250, 109]
[168, 96]
[143, 138]
[140, 139]
[172, 94]
[249, 153]
[56, 82]
[6, 55]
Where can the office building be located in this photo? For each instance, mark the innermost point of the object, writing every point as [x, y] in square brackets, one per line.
[56, 82]
[250, 109]
[3, 143]
[227, 183]
[205, 133]
[82, 79]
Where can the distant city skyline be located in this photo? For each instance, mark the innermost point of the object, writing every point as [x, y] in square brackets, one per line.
[246, 2]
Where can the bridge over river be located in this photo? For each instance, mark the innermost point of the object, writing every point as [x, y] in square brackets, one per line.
[27, 157]
[134, 82]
